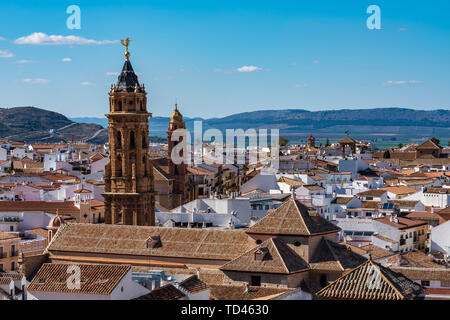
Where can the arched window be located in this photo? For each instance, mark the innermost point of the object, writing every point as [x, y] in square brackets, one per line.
[119, 166]
[144, 140]
[119, 140]
[144, 162]
[132, 141]
[119, 106]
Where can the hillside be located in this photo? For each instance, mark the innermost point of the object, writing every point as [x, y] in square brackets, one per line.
[30, 124]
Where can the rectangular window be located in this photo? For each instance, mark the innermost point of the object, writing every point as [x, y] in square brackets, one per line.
[445, 283]
[255, 281]
[425, 283]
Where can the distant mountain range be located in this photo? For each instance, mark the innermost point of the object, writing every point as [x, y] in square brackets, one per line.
[362, 123]
[31, 124]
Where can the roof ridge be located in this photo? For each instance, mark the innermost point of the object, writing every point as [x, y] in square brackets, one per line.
[296, 203]
[333, 253]
[275, 245]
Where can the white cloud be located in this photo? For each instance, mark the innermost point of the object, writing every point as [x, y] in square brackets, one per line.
[66, 59]
[39, 38]
[248, 69]
[86, 83]
[112, 73]
[6, 54]
[403, 29]
[401, 82]
[1, 38]
[315, 62]
[36, 80]
[23, 61]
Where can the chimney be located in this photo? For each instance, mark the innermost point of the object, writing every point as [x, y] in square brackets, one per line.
[432, 209]
[293, 195]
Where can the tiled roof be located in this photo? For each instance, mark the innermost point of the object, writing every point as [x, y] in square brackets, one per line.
[419, 259]
[291, 182]
[444, 213]
[333, 256]
[439, 274]
[292, 218]
[230, 292]
[375, 251]
[313, 187]
[347, 140]
[5, 281]
[370, 204]
[193, 284]
[39, 231]
[428, 145]
[271, 256]
[400, 190]
[405, 203]
[371, 281]
[383, 238]
[58, 177]
[132, 240]
[16, 276]
[403, 223]
[166, 292]
[342, 200]
[83, 190]
[7, 236]
[425, 216]
[46, 206]
[373, 192]
[98, 279]
[437, 190]
[199, 171]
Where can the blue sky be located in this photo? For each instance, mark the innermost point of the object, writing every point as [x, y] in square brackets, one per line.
[313, 55]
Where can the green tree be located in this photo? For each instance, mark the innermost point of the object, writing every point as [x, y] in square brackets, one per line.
[435, 140]
[386, 154]
[400, 145]
[327, 143]
[283, 141]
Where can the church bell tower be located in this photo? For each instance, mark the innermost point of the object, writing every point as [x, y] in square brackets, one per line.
[129, 187]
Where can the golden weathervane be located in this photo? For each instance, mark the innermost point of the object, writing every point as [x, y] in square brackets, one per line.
[126, 43]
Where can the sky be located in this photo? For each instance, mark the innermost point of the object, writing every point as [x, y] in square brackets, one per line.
[216, 58]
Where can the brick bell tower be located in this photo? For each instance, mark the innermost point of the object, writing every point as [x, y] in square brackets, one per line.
[129, 187]
[178, 171]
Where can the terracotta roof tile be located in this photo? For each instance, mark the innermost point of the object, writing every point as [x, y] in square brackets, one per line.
[292, 218]
[132, 240]
[271, 256]
[166, 292]
[371, 281]
[99, 279]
